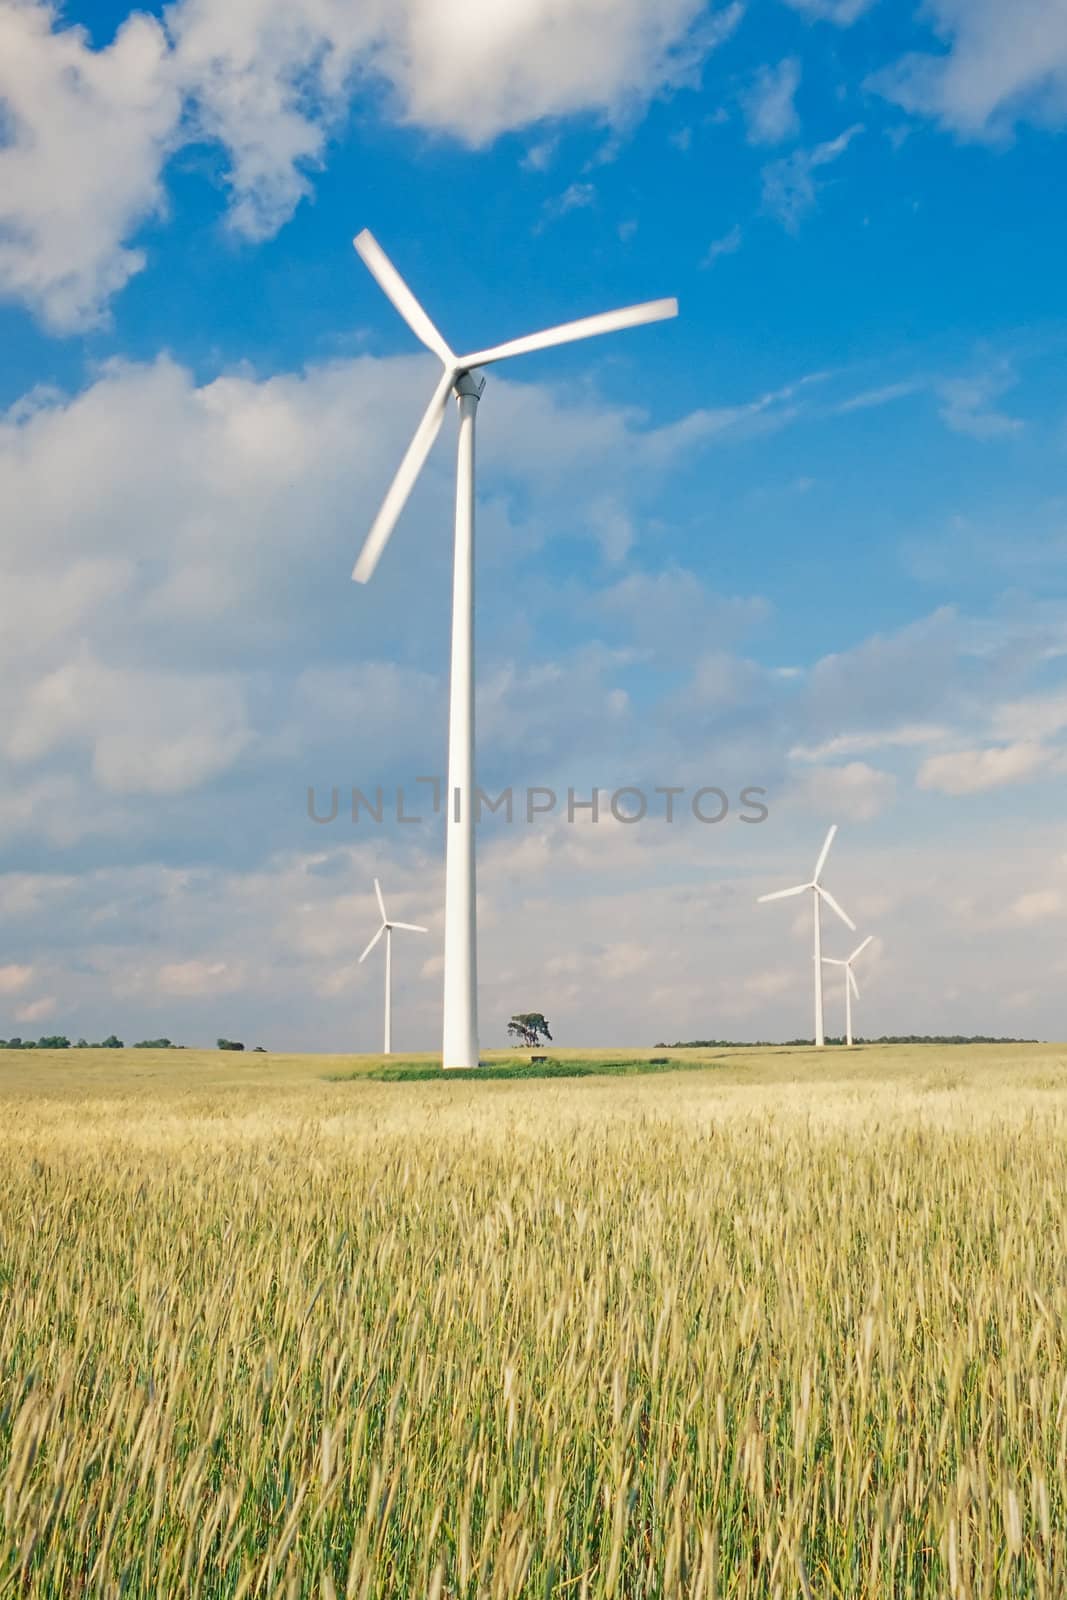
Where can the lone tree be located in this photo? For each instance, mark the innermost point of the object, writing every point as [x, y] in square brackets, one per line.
[529, 1027]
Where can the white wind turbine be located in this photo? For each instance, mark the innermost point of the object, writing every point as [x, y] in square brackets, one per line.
[851, 986]
[387, 928]
[460, 1038]
[818, 894]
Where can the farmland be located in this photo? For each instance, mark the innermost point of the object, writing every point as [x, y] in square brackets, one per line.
[779, 1323]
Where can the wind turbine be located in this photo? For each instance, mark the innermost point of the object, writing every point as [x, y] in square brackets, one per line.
[818, 894]
[387, 928]
[851, 986]
[460, 1040]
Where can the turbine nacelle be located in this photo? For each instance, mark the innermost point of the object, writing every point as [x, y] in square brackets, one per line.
[455, 369]
[814, 885]
[816, 888]
[846, 962]
[386, 925]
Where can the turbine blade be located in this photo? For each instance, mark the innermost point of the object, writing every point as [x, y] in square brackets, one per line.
[833, 961]
[373, 942]
[412, 927]
[832, 903]
[855, 985]
[584, 328]
[783, 894]
[861, 947]
[381, 902]
[824, 852]
[402, 485]
[392, 284]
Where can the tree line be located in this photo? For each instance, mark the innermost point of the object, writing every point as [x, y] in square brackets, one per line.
[59, 1041]
[885, 1038]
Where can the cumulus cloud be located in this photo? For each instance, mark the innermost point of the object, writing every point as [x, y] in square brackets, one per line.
[889, 679]
[1036, 906]
[671, 612]
[219, 520]
[548, 58]
[36, 1010]
[85, 134]
[1037, 717]
[149, 732]
[1004, 64]
[854, 791]
[174, 492]
[768, 105]
[198, 977]
[973, 771]
[88, 132]
[13, 978]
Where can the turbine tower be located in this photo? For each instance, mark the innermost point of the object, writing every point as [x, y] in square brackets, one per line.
[387, 928]
[851, 986]
[818, 894]
[460, 1033]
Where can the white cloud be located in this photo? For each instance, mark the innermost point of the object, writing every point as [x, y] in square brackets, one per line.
[149, 732]
[1036, 906]
[768, 105]
[674, 611]
[973, 771]
[790, 187]
[222, 520]
[855, 792]
[36, 1010]
[13, 978]
[85, 133]
[1004, 64]
[198, 977]
[576, 197]
[546, 710]
[884, 395]
[967, 405]
[877, 739]
[262, 488]
[895, 679]
[288, 928]
[843, 12]
[539, 156]
[727, 245]
[762, 415]
[1038, 717]
[541, 58]
[612, 527]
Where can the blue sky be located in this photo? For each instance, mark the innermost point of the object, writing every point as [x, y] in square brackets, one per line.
[809, 537]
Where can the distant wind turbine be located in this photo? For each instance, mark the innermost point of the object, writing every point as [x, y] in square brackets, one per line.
[460, 1041]
[851, 986]
[387, 928]
[818, 894]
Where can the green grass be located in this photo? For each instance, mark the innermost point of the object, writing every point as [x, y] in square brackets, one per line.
[779, 1318]
[421, 1071]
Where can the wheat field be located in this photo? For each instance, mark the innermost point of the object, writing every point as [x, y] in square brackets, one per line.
[777, 1325]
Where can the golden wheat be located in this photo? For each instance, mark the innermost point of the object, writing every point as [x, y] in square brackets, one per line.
[732, 1333]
